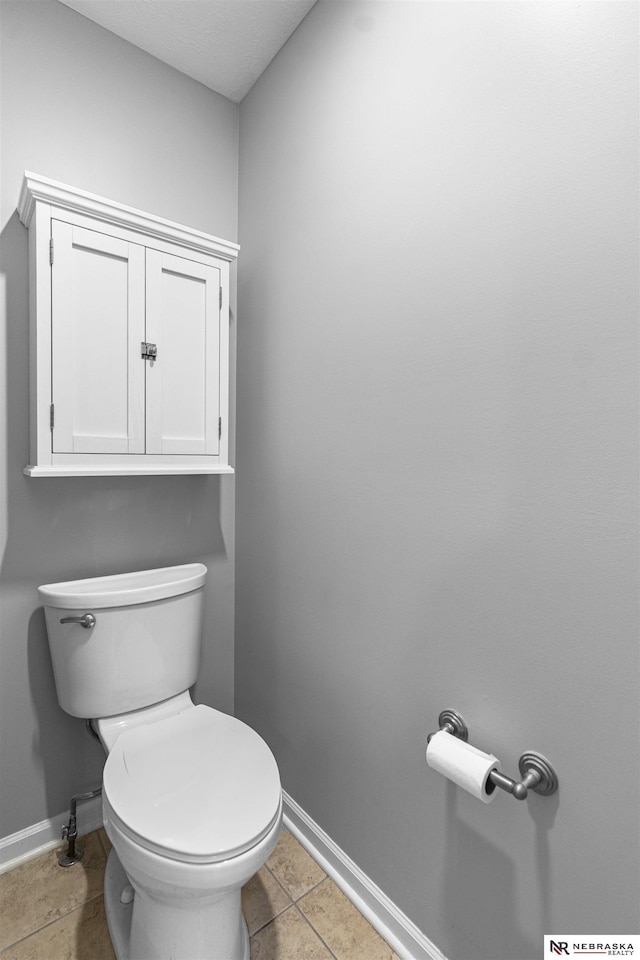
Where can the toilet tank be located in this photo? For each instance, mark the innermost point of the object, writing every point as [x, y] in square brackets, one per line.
[141, 647]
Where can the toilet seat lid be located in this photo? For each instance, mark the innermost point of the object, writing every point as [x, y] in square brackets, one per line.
[200, 786]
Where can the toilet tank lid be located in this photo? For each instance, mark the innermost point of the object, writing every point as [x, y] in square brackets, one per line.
[124, 589]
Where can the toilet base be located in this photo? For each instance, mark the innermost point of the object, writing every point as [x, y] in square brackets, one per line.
[119, 914]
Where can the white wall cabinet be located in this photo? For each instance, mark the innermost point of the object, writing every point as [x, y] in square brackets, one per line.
[129, 324]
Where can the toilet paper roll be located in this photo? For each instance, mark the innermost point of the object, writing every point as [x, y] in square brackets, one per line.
[464, 764]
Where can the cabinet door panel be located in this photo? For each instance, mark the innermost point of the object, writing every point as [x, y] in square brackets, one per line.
[183, 384]
[97, 327]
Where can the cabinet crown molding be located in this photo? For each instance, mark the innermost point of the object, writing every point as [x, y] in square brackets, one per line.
[36, 188]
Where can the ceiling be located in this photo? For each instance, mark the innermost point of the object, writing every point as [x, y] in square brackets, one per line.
[225, 44]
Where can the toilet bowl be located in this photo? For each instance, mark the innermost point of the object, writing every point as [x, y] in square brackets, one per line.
[192, 801]
[193, 807]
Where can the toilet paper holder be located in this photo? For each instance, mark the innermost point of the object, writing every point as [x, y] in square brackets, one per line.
[535, 770]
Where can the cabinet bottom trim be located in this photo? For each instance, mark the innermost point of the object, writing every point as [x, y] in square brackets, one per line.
[122, 470]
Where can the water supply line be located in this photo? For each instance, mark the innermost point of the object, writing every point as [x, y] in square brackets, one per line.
[74, 853]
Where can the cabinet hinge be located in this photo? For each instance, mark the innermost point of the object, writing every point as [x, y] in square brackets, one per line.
[51, 251]
[219, 428]
[51, 417]
[220, 298]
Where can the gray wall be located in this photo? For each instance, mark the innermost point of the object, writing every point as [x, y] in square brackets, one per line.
[84, 107]
[437, 449]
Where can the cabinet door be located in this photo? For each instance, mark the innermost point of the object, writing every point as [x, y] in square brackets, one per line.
[97, 327]
[183, 383]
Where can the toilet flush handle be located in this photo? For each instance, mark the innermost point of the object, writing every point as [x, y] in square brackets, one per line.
[87, 621]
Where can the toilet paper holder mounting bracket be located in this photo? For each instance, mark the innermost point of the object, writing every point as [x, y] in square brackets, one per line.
[452, 723]
[535, 770]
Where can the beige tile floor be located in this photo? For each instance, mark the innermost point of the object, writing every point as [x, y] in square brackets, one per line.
[293, 910]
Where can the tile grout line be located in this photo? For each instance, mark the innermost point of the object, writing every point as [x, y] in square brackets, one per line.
[280, 912]
[292, 901]
[292, 898]
[295, 902]
[44, 926]
[313, 927]
[318, 935]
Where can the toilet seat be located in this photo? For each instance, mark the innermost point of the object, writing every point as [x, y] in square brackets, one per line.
[199, 786]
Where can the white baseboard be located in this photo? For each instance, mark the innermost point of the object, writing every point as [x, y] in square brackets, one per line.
[397, 929]
[46, 835]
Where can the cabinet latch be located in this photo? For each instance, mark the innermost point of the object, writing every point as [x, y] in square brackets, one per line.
[148, 351]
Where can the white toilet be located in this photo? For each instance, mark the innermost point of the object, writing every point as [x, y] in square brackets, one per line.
[192, 801]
